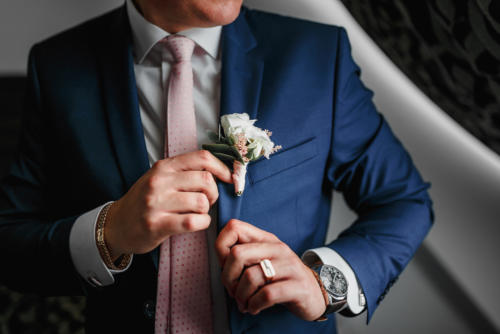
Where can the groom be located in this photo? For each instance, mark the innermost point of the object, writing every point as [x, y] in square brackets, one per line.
[98, 203]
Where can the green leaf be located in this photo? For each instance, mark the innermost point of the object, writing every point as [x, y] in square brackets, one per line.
[250, 153]
[224, 149]
[226, 159]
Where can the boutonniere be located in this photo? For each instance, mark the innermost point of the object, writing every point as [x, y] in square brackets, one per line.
[240, 143]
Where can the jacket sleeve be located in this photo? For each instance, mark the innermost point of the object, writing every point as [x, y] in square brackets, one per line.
[34, 232]
[379, 182]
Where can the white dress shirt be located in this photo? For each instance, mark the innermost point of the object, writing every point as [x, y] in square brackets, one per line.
[152, 63]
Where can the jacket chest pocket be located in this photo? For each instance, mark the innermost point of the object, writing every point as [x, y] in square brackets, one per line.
[274, 185]
[282, 161]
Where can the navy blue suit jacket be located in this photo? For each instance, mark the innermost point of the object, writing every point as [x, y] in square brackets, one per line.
[82, 145]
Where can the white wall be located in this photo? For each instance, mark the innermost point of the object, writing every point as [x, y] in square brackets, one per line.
[465, 175]
[24, 22]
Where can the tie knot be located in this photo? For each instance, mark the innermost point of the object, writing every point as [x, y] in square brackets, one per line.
[181, 47]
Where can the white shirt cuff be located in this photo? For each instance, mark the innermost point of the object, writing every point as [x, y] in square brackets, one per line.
[355, 298]
[84, 252]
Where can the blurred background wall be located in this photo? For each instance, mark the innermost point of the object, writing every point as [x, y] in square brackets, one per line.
[434, 67]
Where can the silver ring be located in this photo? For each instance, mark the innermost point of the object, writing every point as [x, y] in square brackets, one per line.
[268, 269]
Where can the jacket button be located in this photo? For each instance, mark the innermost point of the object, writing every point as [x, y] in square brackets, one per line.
[149, 309]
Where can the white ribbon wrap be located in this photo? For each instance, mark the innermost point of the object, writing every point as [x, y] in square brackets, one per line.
[239, 175]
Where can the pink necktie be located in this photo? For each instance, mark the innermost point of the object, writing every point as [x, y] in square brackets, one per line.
[183, 303]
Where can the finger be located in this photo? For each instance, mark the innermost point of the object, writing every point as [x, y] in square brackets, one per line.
[245, 255]
[201, 181]
[161, 181]
[237, 231]
[272, 294]
[185, 202]
[198, 160]
[182, 223]
[253, 279]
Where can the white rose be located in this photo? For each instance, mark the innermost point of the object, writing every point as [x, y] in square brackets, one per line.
[260, 143]
[234, 124]
[250, 141]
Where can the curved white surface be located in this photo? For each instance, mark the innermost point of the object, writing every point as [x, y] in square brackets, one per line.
[465, 174]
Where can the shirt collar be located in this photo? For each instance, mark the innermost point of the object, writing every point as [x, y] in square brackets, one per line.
[146, 35]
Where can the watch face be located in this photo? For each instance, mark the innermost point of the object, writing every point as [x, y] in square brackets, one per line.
[334, 281]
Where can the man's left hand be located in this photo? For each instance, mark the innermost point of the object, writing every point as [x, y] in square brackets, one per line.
[240, 247]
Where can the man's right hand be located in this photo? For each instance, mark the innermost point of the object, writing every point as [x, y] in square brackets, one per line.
[173, 197]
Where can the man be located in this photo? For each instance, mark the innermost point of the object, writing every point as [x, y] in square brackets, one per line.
[82, 198]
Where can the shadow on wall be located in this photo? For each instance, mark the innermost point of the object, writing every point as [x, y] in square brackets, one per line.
[425, 299]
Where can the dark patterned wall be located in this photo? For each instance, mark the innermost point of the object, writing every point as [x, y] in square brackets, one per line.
[449, 48]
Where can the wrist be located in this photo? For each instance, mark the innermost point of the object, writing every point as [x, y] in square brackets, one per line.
[324, 293]
[108, 256]
[112, 243]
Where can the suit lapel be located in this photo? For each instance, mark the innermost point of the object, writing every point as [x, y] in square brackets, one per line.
[120, 100]
[241, 81]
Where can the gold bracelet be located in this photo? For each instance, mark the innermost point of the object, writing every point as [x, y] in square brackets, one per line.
[101, 243]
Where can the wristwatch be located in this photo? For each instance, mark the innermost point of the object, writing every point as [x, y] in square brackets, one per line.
[335, 284]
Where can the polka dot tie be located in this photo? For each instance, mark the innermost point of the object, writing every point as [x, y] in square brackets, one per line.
[183, 303]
